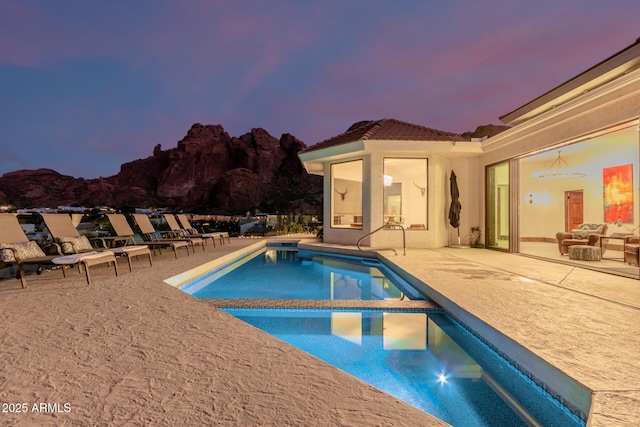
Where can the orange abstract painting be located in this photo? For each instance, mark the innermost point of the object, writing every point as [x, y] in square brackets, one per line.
[618, 193]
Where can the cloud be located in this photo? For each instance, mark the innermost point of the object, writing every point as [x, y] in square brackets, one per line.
[114, 79]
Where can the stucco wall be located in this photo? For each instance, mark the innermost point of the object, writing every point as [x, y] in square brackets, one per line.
[468, 173]
[604, 108]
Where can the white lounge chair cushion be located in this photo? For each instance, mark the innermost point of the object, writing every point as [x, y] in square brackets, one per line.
[23, 251]
[72, 245]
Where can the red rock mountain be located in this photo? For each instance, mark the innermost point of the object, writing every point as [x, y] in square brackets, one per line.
[207, 172]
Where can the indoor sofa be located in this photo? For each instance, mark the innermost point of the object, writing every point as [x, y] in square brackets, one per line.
[585, 234]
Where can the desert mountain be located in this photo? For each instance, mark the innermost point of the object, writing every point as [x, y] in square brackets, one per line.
[208, 171]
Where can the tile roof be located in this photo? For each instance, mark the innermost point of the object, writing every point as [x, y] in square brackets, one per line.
[387, 130]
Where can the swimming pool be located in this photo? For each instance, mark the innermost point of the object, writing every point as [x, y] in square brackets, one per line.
[413, 342]
[290, 274]
[423, 358]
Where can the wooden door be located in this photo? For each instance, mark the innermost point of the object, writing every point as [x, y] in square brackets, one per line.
[573, 209]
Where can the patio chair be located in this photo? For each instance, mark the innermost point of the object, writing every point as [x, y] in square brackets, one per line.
[122, 228]
[68, 241]
[179, 233]
[15, 248]
[585, 234]
[186, 226]
[152, 236]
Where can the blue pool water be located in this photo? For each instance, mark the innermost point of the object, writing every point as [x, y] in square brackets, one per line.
[425, 359]
[303, 275]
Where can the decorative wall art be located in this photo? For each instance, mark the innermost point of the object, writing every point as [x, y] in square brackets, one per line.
[618, 193]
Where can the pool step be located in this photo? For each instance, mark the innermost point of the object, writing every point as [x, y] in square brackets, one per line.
[337, 304]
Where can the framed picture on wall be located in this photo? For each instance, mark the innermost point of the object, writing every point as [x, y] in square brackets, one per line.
[617, 182]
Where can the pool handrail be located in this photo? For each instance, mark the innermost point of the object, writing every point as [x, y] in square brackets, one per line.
[388, 226]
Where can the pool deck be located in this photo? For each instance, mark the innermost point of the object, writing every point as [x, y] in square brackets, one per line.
[141, 352]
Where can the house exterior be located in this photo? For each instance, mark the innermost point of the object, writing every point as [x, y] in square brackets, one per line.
[591, 121]
[388, 172]
[510, 188]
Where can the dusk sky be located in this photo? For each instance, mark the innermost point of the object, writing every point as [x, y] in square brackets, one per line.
[89, 85]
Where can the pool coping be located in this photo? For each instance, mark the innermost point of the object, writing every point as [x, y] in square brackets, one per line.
[192, 274]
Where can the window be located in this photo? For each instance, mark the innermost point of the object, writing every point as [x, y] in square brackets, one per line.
[346, 195]
[405, 192]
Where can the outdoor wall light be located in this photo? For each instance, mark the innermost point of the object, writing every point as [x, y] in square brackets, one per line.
[558, 169]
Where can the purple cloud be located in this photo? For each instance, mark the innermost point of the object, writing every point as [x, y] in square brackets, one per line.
[93, 85]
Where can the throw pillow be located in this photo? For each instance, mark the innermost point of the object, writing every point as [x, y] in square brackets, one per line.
[585, 230]
[6, 255]
[74, 245]
[577, 233]
[12, 252]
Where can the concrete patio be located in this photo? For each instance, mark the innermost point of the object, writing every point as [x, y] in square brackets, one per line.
[581, 324]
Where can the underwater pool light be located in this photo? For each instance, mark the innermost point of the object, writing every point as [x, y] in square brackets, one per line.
[442, 378]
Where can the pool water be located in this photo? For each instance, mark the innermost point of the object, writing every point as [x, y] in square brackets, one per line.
[303, 275]
[423, 358]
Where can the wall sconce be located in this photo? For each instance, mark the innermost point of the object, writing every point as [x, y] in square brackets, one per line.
[388, 180]
[534, 198]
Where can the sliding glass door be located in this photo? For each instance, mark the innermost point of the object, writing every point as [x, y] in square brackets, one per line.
[497, 214]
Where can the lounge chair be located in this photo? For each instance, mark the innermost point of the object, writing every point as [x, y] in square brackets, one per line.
[123, 229]
[69, 241]
[179, 233]
[151, 233]
[15, 248]
[186, 226]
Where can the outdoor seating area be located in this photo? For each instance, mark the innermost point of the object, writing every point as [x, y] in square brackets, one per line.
[15, 248]
[152, 236]
[192, 232]
[123, 229]
[67, 240]
[60, 245]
